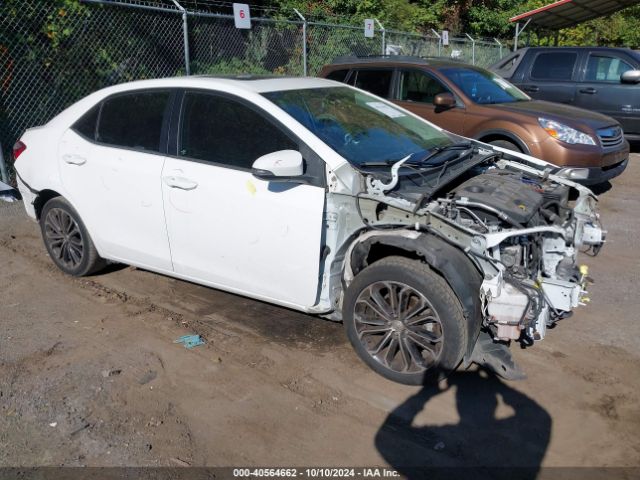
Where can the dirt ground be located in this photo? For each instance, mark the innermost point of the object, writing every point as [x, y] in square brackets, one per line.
[89, 375]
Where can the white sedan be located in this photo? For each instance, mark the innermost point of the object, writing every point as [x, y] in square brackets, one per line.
[433, 249]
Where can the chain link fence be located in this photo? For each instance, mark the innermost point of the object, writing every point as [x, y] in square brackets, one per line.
[53, 53]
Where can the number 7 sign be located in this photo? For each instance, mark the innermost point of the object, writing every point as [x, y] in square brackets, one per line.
[241, 15]
[368, 28]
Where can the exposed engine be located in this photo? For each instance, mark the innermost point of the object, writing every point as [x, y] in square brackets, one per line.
[532, 236]
[521, 225]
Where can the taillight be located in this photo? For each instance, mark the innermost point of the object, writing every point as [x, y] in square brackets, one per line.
[18, 148]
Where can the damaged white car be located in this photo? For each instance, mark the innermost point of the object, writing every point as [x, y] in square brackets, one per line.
[434, 250]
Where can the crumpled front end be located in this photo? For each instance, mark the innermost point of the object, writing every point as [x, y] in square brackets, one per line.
[522, 228]
[528, 236]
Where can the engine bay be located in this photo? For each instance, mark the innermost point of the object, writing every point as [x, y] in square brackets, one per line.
[538, 280]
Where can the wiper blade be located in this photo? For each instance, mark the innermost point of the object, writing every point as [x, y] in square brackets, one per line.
[446, 164]
[443, 167]
[381, 163]
[434, 152]
[438, 150]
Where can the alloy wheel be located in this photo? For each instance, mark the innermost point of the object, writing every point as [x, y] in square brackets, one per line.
[64, 238]
[398, 327]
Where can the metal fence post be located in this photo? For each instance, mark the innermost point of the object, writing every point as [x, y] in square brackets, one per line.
[304, 41]
[4, 174]
[499, 43]
[439, 42]
[185, 34]
[473, 49]
[384, 46]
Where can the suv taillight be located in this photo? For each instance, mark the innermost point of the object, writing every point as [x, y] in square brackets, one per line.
[18, 148]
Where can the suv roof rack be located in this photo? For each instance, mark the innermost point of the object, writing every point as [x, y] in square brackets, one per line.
[373, 58]
[396, 58]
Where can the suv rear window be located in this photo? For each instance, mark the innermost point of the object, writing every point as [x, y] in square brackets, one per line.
[133, 120]
[377, 82]
[419, 87]
[554, 66]
[338, 75]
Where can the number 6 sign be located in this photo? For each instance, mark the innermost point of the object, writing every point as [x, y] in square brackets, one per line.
[241, 15]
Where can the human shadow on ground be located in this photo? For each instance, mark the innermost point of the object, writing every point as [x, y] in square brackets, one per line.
[481, 445]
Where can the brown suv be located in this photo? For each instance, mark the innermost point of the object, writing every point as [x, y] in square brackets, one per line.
[476, 103]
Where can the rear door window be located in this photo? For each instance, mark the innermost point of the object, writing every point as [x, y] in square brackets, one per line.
[554, 66]
[416, 86]
[133, 120]
[604, 68]
[377, 82]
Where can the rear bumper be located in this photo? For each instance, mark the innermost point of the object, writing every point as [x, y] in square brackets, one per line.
[8, 193]
[28, 197]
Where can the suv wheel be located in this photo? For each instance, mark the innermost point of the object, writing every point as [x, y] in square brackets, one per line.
[506, 144]
[404, 321]
[67, 240]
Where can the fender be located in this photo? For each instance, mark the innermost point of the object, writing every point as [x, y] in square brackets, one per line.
[507, 134]
[457, 269]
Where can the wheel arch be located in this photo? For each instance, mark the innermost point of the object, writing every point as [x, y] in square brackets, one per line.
[42, 198]
[499, 134]
[446, 260]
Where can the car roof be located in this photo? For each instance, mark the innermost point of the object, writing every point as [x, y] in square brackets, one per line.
[249, 83]
[390, 60]
[508, 64]
[246, 86]
[570, 47]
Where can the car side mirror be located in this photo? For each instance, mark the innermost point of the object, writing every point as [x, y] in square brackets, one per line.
[280, 166]
[444, 101]
[630, 76]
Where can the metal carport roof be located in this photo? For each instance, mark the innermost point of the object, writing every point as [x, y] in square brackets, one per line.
[567, 13]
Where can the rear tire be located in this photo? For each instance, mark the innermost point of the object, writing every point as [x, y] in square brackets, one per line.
[506, 144]
[404, 321]
[67, 240]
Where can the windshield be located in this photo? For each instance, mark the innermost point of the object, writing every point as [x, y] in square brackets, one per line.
[362, 128]
[484, 87]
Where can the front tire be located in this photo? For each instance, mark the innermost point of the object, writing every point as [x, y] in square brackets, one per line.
[506, 144]
[67, 240]
[404, 321]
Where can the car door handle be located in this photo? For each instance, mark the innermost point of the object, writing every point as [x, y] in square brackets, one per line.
[531, 89]
[180, 182]
[588, 91]
[74, 159]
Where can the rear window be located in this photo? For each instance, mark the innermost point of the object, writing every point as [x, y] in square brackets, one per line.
[133, 120]
[86, 126]
[338, 75]
[507, 65]
[377, 82]
[554, 66]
